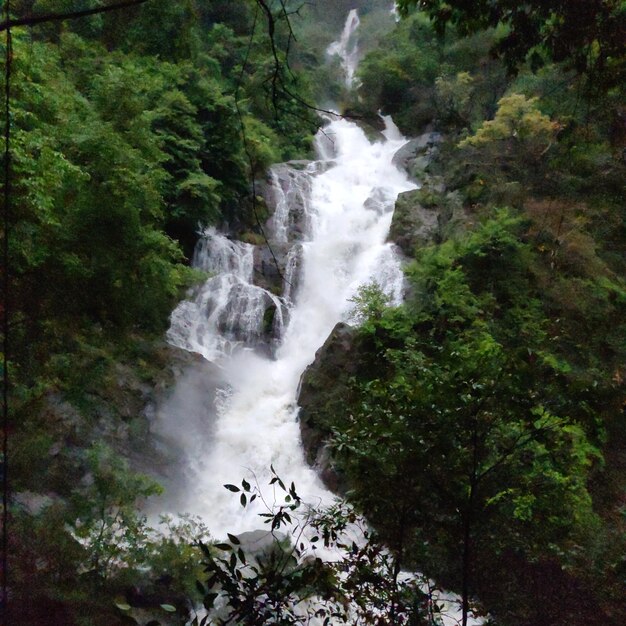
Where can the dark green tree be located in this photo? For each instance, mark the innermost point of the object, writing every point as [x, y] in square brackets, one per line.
[587, 34]
[453, 449]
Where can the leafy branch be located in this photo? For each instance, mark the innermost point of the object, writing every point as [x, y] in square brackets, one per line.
[322, 564]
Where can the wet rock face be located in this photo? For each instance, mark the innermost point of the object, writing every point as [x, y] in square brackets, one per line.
[292, 273]
[269, 266]
[427, 215]
[413, 224]
[416, 222]
[271, 273]
[287, 190]
[377, 201]
[431, 213]
[324, 390]
[417, 154]
[372, 120]
[241, 319]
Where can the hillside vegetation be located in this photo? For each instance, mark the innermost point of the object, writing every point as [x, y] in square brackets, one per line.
[130, 131]
[480, 426]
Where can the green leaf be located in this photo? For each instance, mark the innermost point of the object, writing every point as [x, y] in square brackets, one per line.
[205, 549]
[209, 601]
[241, 556]
[123, 606]
[169, 608]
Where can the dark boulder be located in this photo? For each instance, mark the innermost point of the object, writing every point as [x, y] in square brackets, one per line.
[325, 391]
[417, 154]
[412, 223]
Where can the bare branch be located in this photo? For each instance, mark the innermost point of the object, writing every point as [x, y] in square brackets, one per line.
[271, 29]
[32, 20]
[244, 137]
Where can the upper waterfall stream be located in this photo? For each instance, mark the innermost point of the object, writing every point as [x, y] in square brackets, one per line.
[346, 47]
[334, 214]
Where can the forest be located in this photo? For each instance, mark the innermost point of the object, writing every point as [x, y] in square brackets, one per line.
[479, 426]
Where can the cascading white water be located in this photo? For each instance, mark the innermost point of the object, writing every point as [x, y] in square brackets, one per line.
[348, 207]
[228, 310]
[346, 47]
[333, 215]
[251, 421]
[291, 200]
[394, 12]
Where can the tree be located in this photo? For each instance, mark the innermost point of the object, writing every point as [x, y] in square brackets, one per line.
[453, 448]
[517, 142]
[114, 151]
[107, 521]
[587, 34]
[454, 98]
[517, 120]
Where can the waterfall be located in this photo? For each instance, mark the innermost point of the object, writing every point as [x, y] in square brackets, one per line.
[228, 310]
[334, 216]
[291, 197]
[344, 206]
[394, 12]
[346, 47]
[328, 235]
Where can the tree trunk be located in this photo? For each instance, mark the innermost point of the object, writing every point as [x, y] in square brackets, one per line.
[467, 525]
[466, 570]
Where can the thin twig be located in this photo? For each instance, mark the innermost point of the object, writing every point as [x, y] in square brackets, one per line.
[247, 150]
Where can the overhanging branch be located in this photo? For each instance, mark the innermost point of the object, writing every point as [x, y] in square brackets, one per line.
[32, 20]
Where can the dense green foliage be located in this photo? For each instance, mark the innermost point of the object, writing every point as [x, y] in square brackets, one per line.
[418, 77]
[586, 34]
[129, 131]
[482, 427]
[481, 419]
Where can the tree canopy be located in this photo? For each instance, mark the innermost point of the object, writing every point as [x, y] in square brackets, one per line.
[479, 426]
[587, 34]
